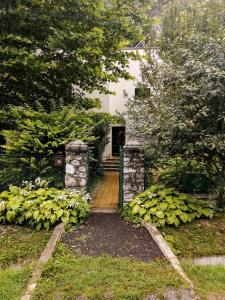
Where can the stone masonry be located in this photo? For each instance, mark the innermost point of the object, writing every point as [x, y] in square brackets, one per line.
[76, 165]
[134, 170]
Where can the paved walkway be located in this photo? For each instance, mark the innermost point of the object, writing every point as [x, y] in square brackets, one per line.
[106, 194]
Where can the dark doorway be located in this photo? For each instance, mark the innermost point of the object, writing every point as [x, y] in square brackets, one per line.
[118, 139]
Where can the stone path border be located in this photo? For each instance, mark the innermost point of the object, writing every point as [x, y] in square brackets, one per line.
[168, 253]
[46, 254]
[210, 261]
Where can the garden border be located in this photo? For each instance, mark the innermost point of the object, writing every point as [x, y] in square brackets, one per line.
[169, 255]
[46, 254]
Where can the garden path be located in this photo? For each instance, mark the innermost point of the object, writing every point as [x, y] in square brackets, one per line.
[108, 234]
[106, 194]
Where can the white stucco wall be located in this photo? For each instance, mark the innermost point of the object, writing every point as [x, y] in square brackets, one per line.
[117, 103]
[123, 89]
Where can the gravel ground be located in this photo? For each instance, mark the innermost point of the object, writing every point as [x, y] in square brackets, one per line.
[3, 229]
[107, 234]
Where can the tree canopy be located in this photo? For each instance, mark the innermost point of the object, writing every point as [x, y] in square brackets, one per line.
[46, 46]
[185, 111]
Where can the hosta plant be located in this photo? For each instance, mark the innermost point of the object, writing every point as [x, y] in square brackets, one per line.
[165, 206]
[41, 207]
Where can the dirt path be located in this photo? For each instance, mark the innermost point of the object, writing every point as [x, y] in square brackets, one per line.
[107, 234]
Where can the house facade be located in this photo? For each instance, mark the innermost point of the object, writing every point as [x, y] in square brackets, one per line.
[116, 104]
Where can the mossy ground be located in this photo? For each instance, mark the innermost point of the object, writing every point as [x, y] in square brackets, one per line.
[20, 247]
[69, 276]
[198, 239]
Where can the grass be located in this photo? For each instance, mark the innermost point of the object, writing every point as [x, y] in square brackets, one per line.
[199, 238]
[209, 281]
[18, 245]
[13, 282]
[67, 277]
[21, 244]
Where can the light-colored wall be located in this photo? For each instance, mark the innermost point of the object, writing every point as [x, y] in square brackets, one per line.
[117, 102]
[123, 89]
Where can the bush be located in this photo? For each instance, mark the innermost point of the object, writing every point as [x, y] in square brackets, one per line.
[164, 206]
[101, 133]
[38, 137]
[41, 207]
[188, 176]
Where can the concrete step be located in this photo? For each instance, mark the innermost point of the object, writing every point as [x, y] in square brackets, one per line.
[110, 161]
[111, 169]
[109, 165]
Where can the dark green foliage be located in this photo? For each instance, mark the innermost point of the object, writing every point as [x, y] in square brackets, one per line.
[46, 46]
[42, 207]
[188, 176]
[40, 137]
[101, 132]
[164, 206]
[185, 113]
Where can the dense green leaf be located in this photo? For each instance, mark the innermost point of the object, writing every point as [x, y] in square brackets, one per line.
[174, 210]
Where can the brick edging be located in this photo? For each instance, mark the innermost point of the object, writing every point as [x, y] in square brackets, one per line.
[168, 253]
[46, 254]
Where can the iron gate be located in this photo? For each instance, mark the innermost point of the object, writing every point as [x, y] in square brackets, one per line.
[121, 177]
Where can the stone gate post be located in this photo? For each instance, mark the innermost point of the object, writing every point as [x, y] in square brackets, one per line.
[134, 170]
[76, 165]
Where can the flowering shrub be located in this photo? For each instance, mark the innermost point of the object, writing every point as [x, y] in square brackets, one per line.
[39, 206]
[165, 206]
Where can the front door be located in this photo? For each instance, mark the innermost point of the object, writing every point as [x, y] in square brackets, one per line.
[118, 139]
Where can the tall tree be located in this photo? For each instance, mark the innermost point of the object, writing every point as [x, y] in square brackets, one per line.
[185, 112]
[46, 46]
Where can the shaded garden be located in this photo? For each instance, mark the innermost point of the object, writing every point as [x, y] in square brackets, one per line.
[54, 55]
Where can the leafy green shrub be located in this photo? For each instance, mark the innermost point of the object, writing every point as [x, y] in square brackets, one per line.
[41, 207]
[164, 206]
[38, 137]
[189, 176]
[101, 132]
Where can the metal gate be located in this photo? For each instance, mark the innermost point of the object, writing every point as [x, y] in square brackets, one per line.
[90, 169]
[121, 177]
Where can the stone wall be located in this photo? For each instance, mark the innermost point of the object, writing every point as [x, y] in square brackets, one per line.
[76, 165]
[134, 170]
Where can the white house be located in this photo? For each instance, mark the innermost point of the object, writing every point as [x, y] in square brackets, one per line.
[116, 104]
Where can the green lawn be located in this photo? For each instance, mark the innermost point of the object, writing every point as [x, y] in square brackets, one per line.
[13, 282]
[208, 280]
[199, 238]
[19, 247]
[21, 244]
[67, 276]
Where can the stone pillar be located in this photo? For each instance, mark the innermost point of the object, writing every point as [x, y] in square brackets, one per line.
[76, 165]
[134, 170]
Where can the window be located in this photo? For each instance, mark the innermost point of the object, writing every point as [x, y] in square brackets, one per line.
[142, 91]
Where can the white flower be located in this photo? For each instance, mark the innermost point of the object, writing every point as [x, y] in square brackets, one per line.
[2, 204]
[71, 205]
[63, 197]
